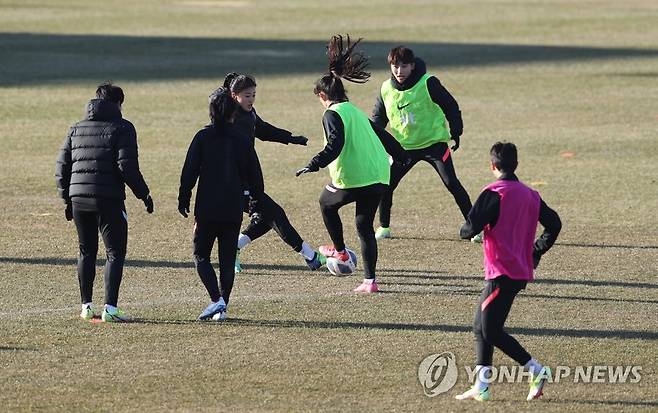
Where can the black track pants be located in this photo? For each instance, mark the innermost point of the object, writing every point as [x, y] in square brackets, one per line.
[437, 155]
[274, 217]
[112, 222]
[205, 234]
[492, 310]
[367, 198]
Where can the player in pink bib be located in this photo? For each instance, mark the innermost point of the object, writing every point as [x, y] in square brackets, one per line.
[508, 211]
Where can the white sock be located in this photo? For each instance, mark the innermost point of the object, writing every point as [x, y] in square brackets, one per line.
[85, 305]
[307, 252]
[110, 308]
[483, 377]
[368, 280]
[533, 366]
[243, 241]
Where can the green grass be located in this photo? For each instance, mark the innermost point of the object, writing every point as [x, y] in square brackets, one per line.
[551, 76]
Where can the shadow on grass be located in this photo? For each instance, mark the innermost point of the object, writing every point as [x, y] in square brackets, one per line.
[39, 58]
[607, 402]
[387, 272]
[10, 348]
[470, 292]
[562, 244]
[447, 328]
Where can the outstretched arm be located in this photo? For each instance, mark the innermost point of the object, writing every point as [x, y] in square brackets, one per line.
[270, 133]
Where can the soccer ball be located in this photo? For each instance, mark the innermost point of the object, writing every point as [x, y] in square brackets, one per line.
[338, 267]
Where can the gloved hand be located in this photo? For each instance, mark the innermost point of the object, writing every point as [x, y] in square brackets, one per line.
[183, 209]
[255, 218]
[148, 203]
[299, 140]
[307, 169]
[456, 145]
[68, 211]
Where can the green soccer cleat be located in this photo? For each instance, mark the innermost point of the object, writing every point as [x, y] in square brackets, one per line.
[477, 239]
[87, 312]
[237, 267]
[114, 316]
[537, 384]
[382, 233]
[475, 394]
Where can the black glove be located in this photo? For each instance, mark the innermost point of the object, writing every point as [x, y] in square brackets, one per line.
[307, 169]
[456, 145]
[148, 203]
[255, 218]
[68, 211]
[298, 140]
[536, 256]
[183, 209]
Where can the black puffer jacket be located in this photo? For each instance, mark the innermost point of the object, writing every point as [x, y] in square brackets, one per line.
[99, 156]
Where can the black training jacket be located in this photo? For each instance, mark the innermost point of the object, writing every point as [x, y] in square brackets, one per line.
[99, 156]
[438, 93]
[224, 162]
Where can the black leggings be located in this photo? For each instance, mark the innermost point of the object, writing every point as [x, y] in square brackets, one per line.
[113, 225]
[494, 306]
[273, 217]
[367, 198]
[437, 155]
[205, 234]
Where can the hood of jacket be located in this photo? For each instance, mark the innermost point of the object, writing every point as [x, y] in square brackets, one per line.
[419, 70]
[102, 110]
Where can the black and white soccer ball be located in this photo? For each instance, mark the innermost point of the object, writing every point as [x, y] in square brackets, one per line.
[338, 267]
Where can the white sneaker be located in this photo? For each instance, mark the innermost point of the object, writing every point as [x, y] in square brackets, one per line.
[87, 312]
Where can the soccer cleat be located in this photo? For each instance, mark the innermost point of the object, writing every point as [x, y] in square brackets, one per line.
[114, 316]
[537, 384]
[382, 233]
[237, 267]
[316, 262]
[87, 313]
[212, 309]
[475, 394]
[330, 251]
[221, 316]
[367, 287]
[478, 238]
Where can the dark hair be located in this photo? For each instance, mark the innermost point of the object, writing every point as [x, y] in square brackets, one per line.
[504, 157]
[402, 55]
[222, 106]
[108, 91]
[236, 82]
[344, 63]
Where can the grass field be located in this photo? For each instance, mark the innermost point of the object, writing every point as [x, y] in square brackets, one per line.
[573, 84]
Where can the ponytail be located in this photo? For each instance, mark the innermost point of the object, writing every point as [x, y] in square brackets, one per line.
[344, 63]
[222, 106]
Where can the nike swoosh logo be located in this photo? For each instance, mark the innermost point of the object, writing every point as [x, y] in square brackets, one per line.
[403, 106]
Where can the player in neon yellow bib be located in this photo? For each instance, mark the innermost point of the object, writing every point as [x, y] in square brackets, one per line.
[356, 152]
[424, 117]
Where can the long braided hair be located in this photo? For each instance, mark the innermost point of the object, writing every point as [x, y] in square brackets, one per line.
[344, 62]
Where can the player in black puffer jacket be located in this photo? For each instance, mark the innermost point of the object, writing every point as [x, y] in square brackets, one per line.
[98, 158]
